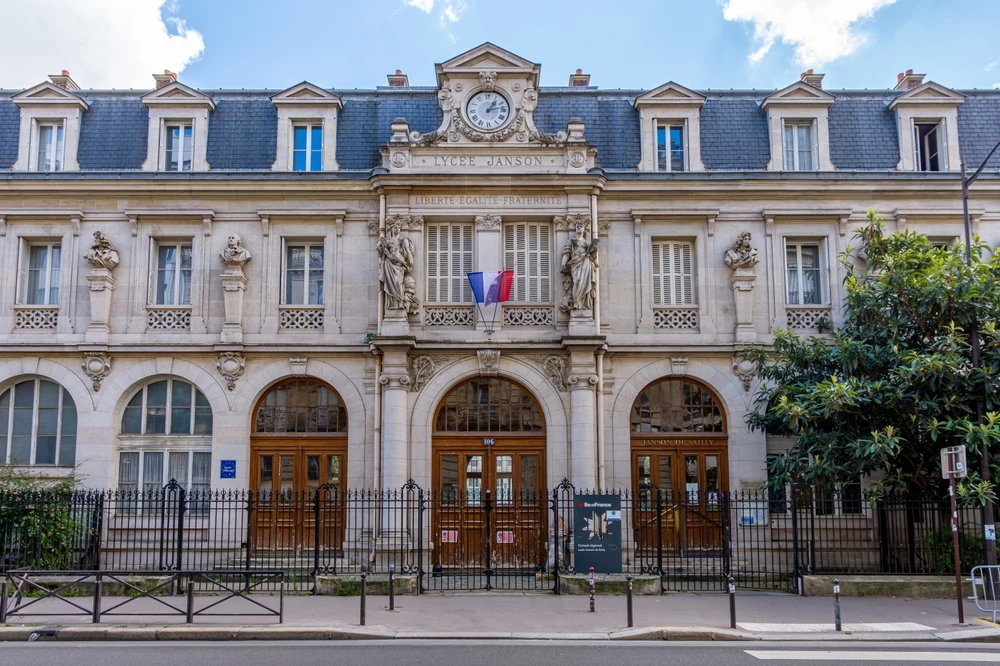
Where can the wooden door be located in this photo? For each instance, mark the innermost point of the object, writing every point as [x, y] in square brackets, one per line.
[700, 474]
[653, 472]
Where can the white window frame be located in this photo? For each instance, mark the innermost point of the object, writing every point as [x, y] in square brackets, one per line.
[668, 281]
[308, 244]
[179, 244]
[183, 124]
[57, 153]
[795, 148]
[199, 506]
[449, 287]
[24, 270]
[667, 125]
[167, 422]
[824, 270]
[63, 396]
[536, 275]
[918, 150]
[310, 125]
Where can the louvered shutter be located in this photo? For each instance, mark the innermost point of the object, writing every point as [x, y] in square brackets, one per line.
[673, 275]
[432, 231]
[686, 293]
[461, 250]
[658, 273]
[544, 263]
[528, 251]
[22, 273]
[449, 259]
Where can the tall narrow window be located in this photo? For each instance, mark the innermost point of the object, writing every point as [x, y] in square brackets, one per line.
[37, 424]
[449, 259]
[804, 273]
[173, 274]
[527, 250]
[308, 148]
[50, 147]
[799, 146]
[304, 274]
[670, 148]
[40, 275]
[673, 273]
[927, 146]
[178, 150]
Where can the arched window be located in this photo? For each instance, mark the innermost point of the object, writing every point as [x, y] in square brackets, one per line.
[37, 424]
[489, 405]
[166, 434]
[677, 405]
[302, 406]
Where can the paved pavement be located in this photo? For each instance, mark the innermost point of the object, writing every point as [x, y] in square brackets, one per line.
[505, 615]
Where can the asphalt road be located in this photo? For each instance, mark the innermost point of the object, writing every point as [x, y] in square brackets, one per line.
[489, 653]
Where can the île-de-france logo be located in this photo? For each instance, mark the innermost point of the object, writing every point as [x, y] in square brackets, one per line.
[596, 526]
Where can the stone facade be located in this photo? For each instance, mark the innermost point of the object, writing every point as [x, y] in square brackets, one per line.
[565, 165]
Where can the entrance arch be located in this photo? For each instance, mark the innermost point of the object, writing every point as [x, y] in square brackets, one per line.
[488, 448]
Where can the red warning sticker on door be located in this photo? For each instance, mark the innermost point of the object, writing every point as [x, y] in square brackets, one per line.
[449, 536]
[505, 537]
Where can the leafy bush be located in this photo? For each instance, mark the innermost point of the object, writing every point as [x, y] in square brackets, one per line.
[939, 548]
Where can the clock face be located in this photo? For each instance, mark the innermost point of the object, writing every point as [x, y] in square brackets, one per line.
[488, 110]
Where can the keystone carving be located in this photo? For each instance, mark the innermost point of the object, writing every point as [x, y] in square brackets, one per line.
[487, 222]
[97, 366]
[489, 362]
[488, 80]
[231, 366]
[742, 255]
[102, 254]
[746, 371]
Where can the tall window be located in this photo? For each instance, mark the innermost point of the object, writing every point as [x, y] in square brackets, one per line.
[39, 274]
[308, 148]
[173, 273]
[670, 147]
[800, 146]
[50, 147]
[149, 471]
[37, 424]
[673, 273]
[527, 250]
[178, 150]
[168, 407]
[304, 274]
[449, 259]
[927, 146]
[804, 273]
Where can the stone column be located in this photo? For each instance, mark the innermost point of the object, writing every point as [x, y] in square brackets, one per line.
[742, 284]
[395, 383]
[102, 284]
[583, 430]
[234, 283]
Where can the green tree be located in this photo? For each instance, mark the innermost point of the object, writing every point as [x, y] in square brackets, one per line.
[892, 387]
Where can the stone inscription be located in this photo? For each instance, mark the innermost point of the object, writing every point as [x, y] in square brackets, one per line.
[463, 200]
[487, 160]
[679, 442]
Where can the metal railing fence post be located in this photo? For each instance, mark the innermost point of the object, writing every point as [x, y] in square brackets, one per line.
[190, 596]
[3, 600]
[796, 576]
[488, 505]
[555, 541]
[316, 539]
[181, 509]
[98, 585]
[659, 531]
[420, 540]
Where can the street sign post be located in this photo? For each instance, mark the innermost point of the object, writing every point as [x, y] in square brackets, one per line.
[952, 467]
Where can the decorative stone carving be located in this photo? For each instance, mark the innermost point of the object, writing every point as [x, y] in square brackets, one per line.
[298, 365]
[678, 365]
[234, 283]
[97, 365]
[373, 227]
[603, 227]
[422, 367]
[746, 371]
[449, 315]
[102, 254]
[234, 255]
[489, 137]
[404, 222]
[519, 315]
[554, 367]
[396, 261]
[488, 80]
[395, 380]
[585, 381]
[579, 265]
[487, 222]
[674, 319]
[570, 222]
[231, 366]
[742, 255]
[489, 362]
[35, 318]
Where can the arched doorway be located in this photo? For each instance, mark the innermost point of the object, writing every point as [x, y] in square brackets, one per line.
[488, 475]
[679, 464]
[298, 449]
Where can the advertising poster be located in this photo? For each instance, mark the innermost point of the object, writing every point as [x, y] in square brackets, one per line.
[597, 521]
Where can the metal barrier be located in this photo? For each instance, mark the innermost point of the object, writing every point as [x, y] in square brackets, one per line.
[985, 584]
[28, 593]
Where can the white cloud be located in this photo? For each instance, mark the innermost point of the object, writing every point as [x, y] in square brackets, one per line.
[450, 11]
[426, 6]
[820, 30]
[997, 86]
[993, 65]
[103, 43]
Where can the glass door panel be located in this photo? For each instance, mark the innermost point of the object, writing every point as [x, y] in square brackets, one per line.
[529, 478]
[312, 474]
[691, 485]
[504, 479]
[266, 474]
[473, 479]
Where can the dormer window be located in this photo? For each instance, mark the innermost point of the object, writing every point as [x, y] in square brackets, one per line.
[798, 123]
[927, 146]
[308, 147]
[49, 128]
[49, 146]
[927, 118]
[670, 153]
[179, 139]
[800, 146]
[307, 129]
[670, 118]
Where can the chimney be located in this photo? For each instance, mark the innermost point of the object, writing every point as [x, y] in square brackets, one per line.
[63, 81]
[814, 80]
[164, 79]
[579, 80]
[908, 80]
[398, 80]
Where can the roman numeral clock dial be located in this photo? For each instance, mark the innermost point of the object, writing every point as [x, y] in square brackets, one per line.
[488, 111]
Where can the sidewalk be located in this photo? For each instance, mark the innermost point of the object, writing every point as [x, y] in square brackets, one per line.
[760, 616]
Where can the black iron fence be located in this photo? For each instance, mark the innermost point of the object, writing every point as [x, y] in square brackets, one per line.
[472, 540]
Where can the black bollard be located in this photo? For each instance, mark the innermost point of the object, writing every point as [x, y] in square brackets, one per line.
[592, 590]
[732, 601]
[364, 592]
[628, 599]
[392, 591]
[836, 603]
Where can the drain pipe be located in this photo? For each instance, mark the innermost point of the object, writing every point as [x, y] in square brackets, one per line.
[381, 294]
[378, 422]
[599, 421]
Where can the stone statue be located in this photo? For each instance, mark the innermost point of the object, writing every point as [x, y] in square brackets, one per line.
[234, 255]
[579, 264]
[742, 255]
[101, 254]
[396, 260]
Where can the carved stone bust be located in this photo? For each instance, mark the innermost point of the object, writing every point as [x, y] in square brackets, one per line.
[101, 254]
[742, 255]
[234, 255]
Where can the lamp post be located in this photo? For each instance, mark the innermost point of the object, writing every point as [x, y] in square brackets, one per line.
[989, 527]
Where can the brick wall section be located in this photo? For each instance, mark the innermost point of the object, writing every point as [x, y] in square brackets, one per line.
[734, 134]
[979, 130]
[113, 134]
[863, 133]
[242, 134]
[10, 120]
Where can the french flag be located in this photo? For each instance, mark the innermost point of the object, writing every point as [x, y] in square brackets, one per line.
[492, 286]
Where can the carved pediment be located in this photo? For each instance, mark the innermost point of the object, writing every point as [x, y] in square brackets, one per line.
[306, 93]
[670, 93]
[489, 57]
[177, 94]
[48, 94]
[799, 93]
[929, 93]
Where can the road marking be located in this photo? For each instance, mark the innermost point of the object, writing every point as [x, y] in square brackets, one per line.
[860, 627]
[867, 655]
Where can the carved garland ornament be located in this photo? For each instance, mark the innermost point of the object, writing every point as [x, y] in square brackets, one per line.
[491, 137]
[487, 222]
[97, 366]
[554, 367]
[423, 367]
[231, 366]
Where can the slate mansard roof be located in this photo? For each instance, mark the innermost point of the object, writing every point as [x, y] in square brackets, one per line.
[243, 127]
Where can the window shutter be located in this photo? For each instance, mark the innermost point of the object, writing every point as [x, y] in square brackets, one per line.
[515, 257]
[658, 273]
[22, 273]
[916, 145]
[465, 295]
[815, 146]
[673, 273]
[942, 146]
[433, 259]
[687, 288]
[449, 259]
[544, 263]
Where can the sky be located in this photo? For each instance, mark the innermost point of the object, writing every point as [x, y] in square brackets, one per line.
[633, 44]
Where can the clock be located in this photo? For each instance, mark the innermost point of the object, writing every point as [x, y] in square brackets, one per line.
[488, 110]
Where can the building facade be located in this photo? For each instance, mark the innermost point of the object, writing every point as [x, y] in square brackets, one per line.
[267, 290]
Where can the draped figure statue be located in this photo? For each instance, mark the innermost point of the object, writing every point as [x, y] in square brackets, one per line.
[579, 264]
[396, 260]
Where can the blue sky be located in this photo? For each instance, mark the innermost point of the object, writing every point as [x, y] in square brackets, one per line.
[623, 44]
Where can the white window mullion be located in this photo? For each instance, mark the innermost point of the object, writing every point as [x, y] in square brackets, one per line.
[34, 421]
